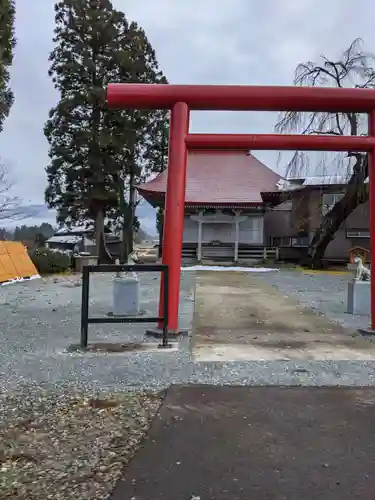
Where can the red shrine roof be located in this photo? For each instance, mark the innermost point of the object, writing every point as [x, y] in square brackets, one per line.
[218, 178]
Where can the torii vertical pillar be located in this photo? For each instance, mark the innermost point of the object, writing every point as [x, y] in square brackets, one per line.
[174, 212]
[371, 174]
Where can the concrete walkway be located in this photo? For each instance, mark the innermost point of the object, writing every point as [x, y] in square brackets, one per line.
[239, 317]
[242, 443]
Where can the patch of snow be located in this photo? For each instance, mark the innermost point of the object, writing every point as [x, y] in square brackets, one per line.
[68, 239]
[20, 280]
[324, 180]
[223, 268]
[288, 185]
[317, 180]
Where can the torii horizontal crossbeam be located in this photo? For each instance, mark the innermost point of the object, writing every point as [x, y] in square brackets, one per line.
[240, 97]
[280, 142]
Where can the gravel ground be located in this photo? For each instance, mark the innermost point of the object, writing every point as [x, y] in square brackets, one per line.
[324, 293]
[50, 426]
[40, 319]
[69, 446]
[68, 423]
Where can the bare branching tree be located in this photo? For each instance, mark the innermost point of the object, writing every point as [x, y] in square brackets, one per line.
[356, 69]
[9, 205]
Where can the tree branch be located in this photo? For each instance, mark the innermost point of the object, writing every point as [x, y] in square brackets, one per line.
[355, 69]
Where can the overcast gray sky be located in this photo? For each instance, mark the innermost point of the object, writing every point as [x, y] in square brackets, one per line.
[196, 41]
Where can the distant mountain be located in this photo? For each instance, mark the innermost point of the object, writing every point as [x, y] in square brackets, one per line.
[29, 215]
[147, 218]
[37, 214]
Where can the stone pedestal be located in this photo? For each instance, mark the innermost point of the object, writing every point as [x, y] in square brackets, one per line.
[126, 296]
[85, 260]
[358, 298]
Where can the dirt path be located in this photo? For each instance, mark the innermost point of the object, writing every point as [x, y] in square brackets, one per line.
[239, 317]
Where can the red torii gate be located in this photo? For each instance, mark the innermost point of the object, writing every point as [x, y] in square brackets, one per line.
[180, 99]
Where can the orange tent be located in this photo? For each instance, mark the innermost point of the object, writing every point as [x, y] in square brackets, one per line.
[15, 262]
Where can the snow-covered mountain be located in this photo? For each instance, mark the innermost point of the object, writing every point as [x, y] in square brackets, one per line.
[37, 214]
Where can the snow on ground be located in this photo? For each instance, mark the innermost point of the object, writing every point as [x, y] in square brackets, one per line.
[20, 280]
[228, 268]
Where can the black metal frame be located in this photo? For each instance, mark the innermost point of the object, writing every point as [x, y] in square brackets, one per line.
[115, 268]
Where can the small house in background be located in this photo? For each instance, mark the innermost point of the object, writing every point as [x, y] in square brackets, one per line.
[308, 200]
[238, 209]
[68, 243]
[82, 239]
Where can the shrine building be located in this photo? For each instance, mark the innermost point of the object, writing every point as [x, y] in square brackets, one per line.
[224, 210]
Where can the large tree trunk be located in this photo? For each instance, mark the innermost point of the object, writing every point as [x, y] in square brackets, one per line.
[128, 213]
[124, 250]
[127, 225]
[131, 213]
[160, 229]
[104, 257]
[99, 230]
[356, 194]
[124, 246]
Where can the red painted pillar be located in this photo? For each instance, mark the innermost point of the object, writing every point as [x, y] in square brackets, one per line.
[174, 210]
[371, 173]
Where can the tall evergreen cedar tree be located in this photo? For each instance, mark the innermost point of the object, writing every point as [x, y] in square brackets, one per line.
[7, 44]
[97, 155]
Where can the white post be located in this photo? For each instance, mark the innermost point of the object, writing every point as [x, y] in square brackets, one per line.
[236, 241]
[199, 252]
